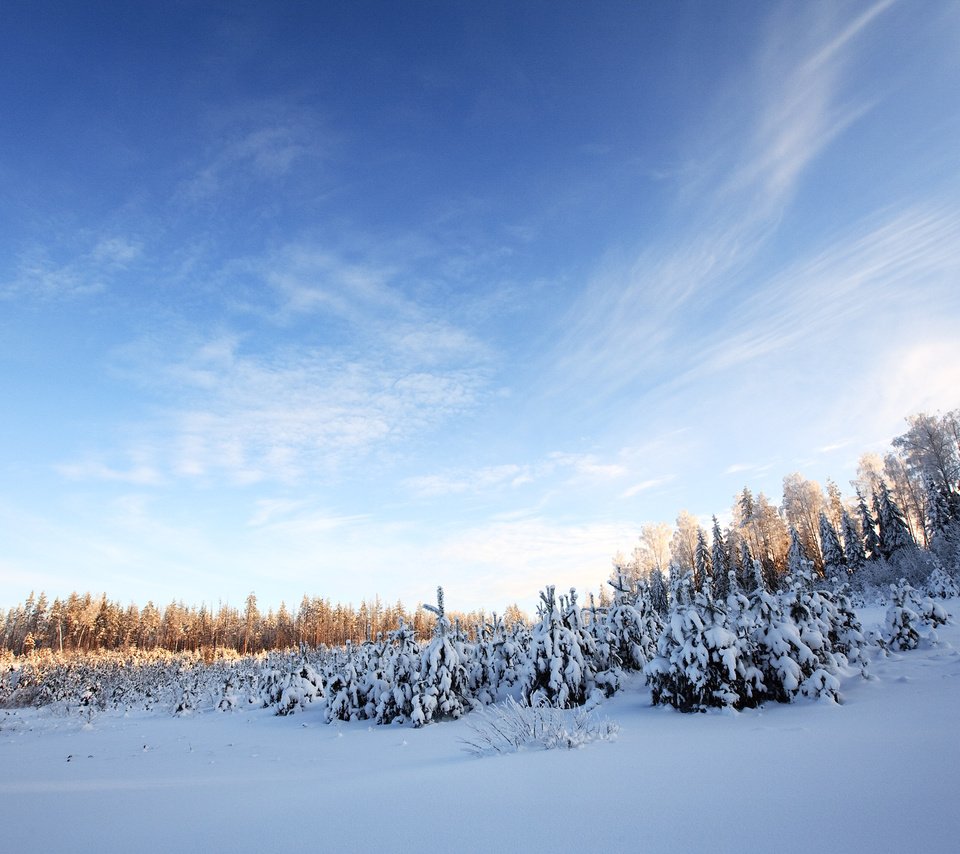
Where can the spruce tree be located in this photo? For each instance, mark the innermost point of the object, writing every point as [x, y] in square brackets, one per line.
[745, 574]
[701, 561]
[604, 653]
[834, 562]
[788, 665]
[719, 562]
[902, 622]
[697, 665]
[894, 532]
[633, 623]
[868, 527]
[442, 686]
[796, 555]
[559, 673]
[659, 599]
[940, 584]
[345, 700]
[853, 551]
[400, 701]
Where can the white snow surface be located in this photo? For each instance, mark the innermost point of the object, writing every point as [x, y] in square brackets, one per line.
[878, 773]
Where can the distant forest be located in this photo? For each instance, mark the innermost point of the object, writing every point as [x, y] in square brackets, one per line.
[905, 505]
[87, 623]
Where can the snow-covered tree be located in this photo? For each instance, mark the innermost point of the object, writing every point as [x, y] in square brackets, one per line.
[719, 562]
[442, 685]
[701, 561]
[931, 451]
[868, 528]
[400, 699]
[853, 551]
[894, 531]
[940, 584]
[744, 569]
[697, 665]
[559, 672]
[633, 623]
[788, 665]
[345, 700]
[292, 689]
[604, 653]
[659, 598]
[834, 562]
[902, 622]
[796, 555]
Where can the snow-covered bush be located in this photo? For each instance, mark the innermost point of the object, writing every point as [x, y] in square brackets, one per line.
[941, 584]
[289, 691]
[510, 726]
[698, 663]
[902, 629]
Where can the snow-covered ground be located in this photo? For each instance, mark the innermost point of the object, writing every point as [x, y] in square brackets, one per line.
[879, 773]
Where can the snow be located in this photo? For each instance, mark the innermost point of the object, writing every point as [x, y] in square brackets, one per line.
[875, 774]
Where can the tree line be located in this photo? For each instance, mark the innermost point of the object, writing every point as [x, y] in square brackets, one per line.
[904, 512]
[86, 623]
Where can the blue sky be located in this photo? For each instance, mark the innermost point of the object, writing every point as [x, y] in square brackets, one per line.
[355, 299]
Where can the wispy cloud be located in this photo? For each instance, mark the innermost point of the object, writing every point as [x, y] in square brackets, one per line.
[631, 323]
[478, 480]
[645, 486]
[894, 269]
[259, 142]
[755, 468]
[281, 414]
[300, 523]
[142, 474]
[800, 99]
[249, 407]
[38, 274]
[564, 467]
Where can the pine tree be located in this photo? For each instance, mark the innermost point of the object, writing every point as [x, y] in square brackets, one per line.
[345, 700]
[902, 622]
[442, 686]
[788, 665]
[559, 672]
[816, 619]
[633, 623]
[719, 562]
[697, 665]
[659, 600]
[796, 555]
[894, 531]
[834, 562]
[400, 701]
[868, 527]
[853, 550]
[482, 670]
[604, 654]
[745, 575]
[940, 584]
[701, 561]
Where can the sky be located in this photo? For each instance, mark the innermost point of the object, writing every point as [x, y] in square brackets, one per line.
[357, 299]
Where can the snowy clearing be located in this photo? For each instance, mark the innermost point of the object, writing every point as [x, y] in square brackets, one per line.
[875, 774]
